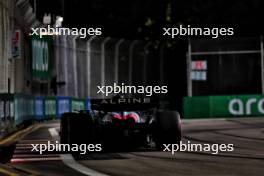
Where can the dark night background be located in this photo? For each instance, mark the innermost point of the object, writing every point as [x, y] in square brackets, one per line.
[139, 19]
[144, 19]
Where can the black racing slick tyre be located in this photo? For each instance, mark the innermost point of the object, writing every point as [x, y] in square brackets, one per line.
[167, 128]
[75, 128]
[6, 153]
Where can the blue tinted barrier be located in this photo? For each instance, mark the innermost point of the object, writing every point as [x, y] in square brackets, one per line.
[63, 105]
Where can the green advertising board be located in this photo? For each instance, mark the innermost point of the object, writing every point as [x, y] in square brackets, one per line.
[42, 49]
[223, 106]
[77, 104]
[50, 107]
[24, 108]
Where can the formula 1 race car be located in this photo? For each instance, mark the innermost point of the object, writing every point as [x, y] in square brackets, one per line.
[122, 123]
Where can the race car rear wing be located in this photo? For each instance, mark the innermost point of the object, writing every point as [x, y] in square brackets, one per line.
[124, 104]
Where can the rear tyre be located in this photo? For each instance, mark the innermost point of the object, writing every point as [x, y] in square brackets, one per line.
[6, 153]
[167, 128]
[76, 128]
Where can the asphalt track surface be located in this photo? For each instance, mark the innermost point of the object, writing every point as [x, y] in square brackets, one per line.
[246, 134]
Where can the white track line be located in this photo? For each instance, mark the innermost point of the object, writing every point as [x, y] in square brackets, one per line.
[68, 160]
[53, 132]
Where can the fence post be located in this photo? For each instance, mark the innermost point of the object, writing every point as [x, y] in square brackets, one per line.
[189, 62]
[88, 64]
[262, 64]
[64, 47]
[145, 63]
[116, 58]
[103, 60]
[57, 59]
[75, 66]
[130, 63]
[162, 64]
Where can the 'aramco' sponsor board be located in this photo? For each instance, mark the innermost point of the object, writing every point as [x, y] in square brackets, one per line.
[223, 106]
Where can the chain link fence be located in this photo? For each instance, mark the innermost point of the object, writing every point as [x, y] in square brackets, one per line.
[84, 64]
[225, 66]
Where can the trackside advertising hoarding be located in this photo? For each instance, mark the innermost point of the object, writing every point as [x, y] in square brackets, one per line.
[26, 107]
[42, 49]
[223, 106]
